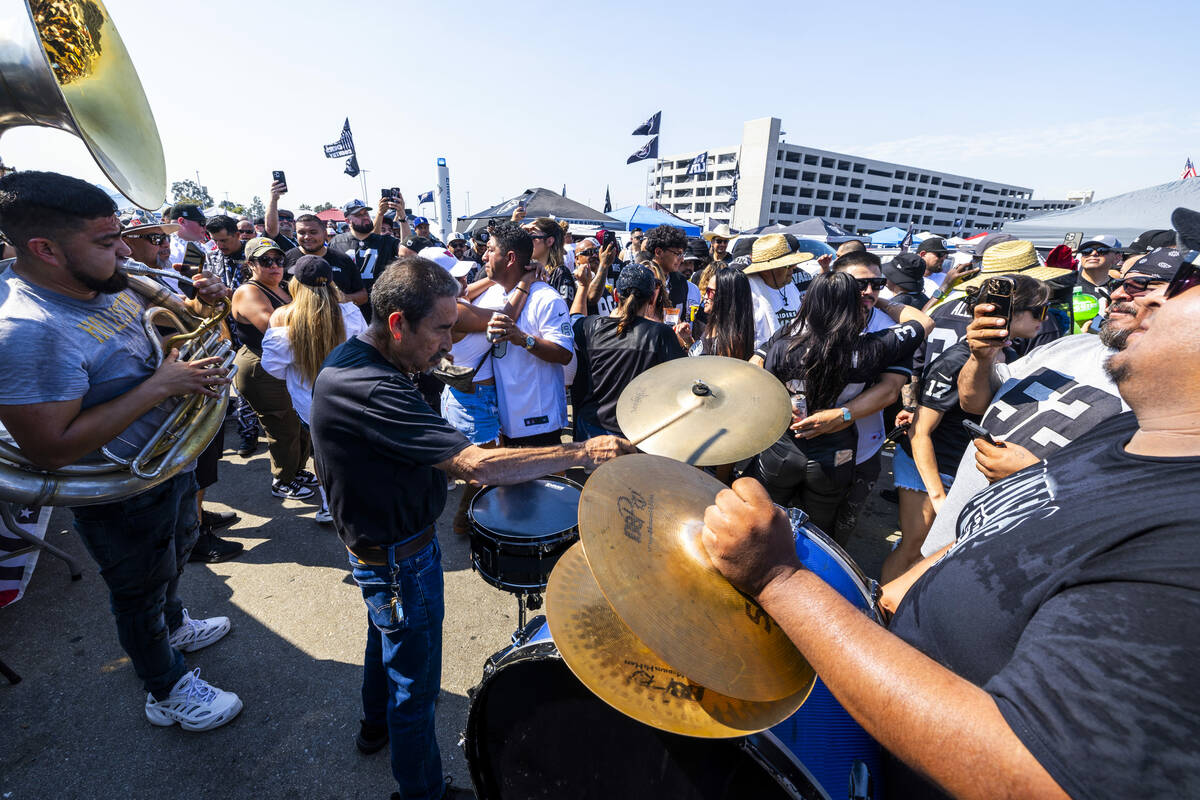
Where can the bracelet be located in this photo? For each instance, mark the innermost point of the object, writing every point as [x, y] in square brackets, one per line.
[522, 289]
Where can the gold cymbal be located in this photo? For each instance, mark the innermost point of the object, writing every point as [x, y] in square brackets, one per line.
[740, 410]
[619, 669]
[640, 518]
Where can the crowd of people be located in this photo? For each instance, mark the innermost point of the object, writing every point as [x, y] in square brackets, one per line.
[1039, 639]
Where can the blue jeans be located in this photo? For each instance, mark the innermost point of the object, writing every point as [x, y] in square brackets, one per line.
[476, 416]
[141, 545]
[585, 430]
[402, 665]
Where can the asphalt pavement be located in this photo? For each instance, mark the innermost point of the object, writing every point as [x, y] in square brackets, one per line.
[75, 727]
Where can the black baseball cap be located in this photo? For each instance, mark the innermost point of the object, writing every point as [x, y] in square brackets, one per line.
[636, 279]
[1151, 239]
[1161, 263]
[906, 271]
[934, 244]
[187, 211]
[312, 271]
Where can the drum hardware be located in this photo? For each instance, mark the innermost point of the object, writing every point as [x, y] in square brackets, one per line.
[705, 411]
[518, 533]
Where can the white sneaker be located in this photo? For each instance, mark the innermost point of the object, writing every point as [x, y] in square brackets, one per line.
[194, 634]
[323, 516]
[194, 704]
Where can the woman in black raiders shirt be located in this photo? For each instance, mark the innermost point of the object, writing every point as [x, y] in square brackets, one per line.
[825, 360]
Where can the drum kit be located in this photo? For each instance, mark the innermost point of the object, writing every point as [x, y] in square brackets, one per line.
[650, 674]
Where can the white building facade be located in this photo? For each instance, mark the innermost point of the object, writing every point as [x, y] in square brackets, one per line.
[786, 183]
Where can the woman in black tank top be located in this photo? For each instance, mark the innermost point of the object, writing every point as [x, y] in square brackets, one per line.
[253, 303]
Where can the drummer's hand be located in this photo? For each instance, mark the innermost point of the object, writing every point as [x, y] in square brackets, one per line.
[819, 423]
[599, 449]
[748, 537]
[210, 289]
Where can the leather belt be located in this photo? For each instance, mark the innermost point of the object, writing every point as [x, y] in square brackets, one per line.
[377, 556]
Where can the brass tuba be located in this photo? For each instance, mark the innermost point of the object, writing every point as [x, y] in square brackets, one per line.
[63, 65]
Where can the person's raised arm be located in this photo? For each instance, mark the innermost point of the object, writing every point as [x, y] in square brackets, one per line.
[985, 337]
[583, 281]
[902, 314]
[397, 204]
[941, 724]
[608, 254]
[271, 218]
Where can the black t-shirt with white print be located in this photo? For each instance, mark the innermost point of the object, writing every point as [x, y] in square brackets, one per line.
[371, 255]
[1072, 597]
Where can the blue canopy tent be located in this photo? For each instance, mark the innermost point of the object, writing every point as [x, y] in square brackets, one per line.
[888, 237]
[646, 218]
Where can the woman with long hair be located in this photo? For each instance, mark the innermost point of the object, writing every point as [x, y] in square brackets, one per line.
[613, 350]
[253, 303]
[548, 251]
[824, 359]
[303, 333]
[728, 329]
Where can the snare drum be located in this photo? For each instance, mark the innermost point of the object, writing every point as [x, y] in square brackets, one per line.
[535, 731]
[518, 532]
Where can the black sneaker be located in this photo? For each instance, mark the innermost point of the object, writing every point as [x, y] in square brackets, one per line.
[292, 491]
[249, 447]
[211, 549]
[891, 495]
[307, 478]
[215, 520]
[371, 738]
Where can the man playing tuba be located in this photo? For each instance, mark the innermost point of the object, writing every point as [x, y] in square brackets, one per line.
[79, 374]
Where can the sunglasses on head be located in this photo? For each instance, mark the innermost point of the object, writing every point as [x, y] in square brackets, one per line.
[870, 283]
[1098, 251]
[538, 236]
[1187, 277]
[270, 261]
[152, 238]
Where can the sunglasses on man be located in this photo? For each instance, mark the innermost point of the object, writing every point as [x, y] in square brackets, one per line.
[1096, 251]
[591, 251]
[1188, 277]
[1133, 286]
[157, 239]
[870, 283]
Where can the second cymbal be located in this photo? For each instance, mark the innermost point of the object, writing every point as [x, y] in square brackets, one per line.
[640, 518]
[619, 669]
[737, 410]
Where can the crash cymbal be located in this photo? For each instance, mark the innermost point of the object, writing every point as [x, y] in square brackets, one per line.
[619, 669]
[738, 410]
[640, 518]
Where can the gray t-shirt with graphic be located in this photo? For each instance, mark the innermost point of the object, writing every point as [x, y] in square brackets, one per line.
[1049, 398]
[55, 348]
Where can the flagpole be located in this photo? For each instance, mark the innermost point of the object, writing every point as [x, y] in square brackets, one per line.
[362, 176]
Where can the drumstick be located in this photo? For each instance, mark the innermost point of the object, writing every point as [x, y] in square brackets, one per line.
[671, 420]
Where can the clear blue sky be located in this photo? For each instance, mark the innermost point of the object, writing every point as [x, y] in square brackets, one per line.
[1052, 95]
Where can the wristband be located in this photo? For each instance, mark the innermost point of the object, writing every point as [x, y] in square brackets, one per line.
[522, 289]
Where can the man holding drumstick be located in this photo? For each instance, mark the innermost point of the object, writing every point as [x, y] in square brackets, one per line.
[383, 455]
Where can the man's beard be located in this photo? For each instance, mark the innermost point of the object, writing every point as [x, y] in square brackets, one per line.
[1118, 373]
[116, 282]
[1114, 337]
[361, 227]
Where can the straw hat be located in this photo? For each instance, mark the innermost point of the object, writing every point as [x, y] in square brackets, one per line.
[1015, 256]
[158, 227]
[721, 231]
[772, 252]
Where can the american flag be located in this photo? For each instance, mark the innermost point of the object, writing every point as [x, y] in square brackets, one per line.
[344, 146]
[1189, 170]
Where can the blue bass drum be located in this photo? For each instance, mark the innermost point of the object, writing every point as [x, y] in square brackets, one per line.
[535, 732]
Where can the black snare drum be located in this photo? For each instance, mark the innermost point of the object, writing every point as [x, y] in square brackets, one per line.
[518, 532]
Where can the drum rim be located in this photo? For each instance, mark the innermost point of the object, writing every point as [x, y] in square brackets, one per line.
[839, 554]
[760, 746]
[545, 538]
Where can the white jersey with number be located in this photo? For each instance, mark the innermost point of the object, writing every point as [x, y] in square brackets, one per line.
[532, 392]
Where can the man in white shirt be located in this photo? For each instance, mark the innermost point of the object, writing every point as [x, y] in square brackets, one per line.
[776, 300]
[529, 353]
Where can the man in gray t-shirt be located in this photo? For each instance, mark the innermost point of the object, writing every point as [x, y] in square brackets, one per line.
[79, 376]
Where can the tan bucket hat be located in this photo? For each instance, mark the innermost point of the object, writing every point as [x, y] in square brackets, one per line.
[772, 252]
[1015, 256]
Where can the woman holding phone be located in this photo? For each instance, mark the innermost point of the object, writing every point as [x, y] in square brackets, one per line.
[923, 466]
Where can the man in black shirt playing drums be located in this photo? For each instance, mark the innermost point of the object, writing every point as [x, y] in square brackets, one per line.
[383, 455]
